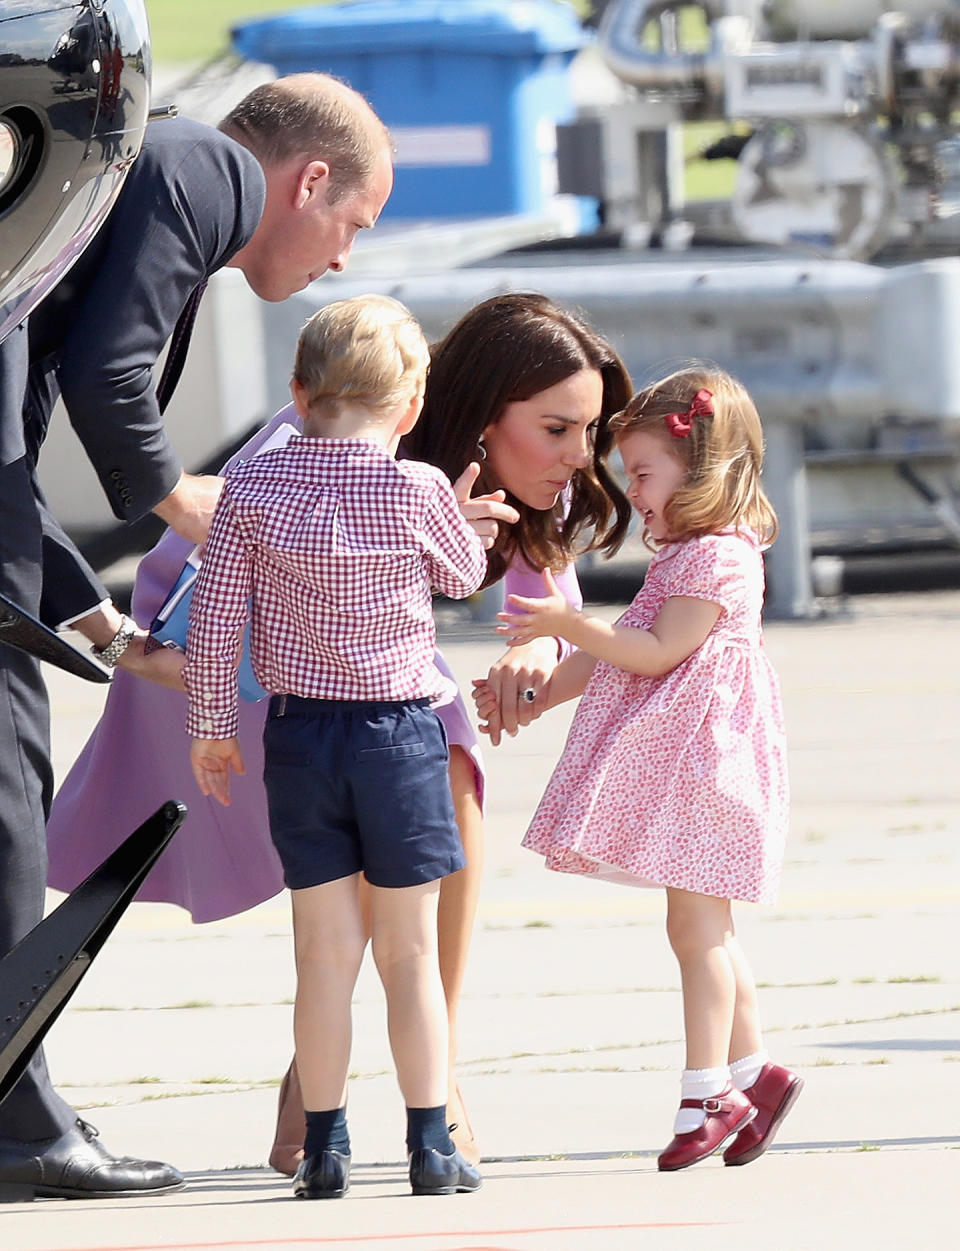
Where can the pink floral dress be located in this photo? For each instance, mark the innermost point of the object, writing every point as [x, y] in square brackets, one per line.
[679, 780]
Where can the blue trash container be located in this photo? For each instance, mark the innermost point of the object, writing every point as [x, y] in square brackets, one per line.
[470, 89]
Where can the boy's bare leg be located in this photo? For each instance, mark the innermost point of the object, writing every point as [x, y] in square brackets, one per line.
[329, 941]
[404, 928]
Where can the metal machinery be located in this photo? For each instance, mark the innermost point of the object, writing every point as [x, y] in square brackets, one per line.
[74, 99]
[849, 106]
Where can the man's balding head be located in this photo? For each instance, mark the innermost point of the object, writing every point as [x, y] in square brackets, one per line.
[311, 116]
[326, 158]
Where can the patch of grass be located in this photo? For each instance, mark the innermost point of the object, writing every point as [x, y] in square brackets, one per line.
[537, 925]
[918, 978]
[184, 31]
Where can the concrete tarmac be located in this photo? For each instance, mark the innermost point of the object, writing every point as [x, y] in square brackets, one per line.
[571, 1022]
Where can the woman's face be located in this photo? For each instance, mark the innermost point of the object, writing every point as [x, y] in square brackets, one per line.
[536, 445]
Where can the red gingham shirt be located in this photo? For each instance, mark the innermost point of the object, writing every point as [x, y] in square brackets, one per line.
[330, 547]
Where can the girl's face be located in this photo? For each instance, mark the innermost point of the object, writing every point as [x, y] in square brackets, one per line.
[536, 446]
[654, 474]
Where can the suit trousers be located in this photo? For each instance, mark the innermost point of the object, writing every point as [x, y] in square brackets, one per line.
[32, 1111]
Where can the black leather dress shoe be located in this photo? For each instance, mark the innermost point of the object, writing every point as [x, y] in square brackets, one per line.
[77, 1166]
[325, 1175]
[432, 1173]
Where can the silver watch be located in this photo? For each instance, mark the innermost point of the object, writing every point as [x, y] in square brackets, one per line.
[110, 654]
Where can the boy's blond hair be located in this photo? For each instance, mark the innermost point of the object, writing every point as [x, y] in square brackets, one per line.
[723, 452]
[366, 350]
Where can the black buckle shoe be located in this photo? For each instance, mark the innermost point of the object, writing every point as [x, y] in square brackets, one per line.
[325, 1175]
[432, 1173]
[77, 1166]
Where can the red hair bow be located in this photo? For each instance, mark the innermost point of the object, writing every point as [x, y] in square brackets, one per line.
[680, 424]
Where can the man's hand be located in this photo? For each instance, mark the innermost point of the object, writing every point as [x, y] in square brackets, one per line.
[211, 760]
[486, 513]
[188, 508]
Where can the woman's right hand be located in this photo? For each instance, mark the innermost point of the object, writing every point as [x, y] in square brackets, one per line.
[486, 513]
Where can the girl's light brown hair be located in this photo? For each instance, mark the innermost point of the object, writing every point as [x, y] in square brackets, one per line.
[723, 453]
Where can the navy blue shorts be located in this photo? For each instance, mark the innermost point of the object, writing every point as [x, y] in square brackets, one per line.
[359, 787]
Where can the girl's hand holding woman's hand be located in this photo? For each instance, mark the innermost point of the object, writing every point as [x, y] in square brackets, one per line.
[486, 513]
[537, 618]
[514, 692]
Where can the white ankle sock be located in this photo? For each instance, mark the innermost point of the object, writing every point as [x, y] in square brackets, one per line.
[698, 1084]
[746, 1071]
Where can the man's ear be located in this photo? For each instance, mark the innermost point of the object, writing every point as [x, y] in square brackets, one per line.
[301, 400]
[313, 180]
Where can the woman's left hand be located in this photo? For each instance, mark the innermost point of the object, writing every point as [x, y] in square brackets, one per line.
[515, 689]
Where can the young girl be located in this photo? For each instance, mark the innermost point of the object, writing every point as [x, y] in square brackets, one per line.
[674, 773]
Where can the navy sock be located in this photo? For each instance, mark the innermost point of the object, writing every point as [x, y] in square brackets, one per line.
[327, 1131]
[427, 1127]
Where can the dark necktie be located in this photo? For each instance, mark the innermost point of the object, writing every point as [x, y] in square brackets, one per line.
[180, 341]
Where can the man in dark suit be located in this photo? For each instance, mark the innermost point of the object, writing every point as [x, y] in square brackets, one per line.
[278, 191]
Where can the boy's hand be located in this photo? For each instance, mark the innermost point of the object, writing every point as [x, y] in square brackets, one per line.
[211, 760]
[537, 618]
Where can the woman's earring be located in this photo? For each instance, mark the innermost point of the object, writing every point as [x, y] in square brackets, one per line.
[481, 449]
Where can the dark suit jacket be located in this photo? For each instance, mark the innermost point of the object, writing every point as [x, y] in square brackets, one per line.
[192, 199]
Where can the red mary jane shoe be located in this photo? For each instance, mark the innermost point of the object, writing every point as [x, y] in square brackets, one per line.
[727, 1114]
[773, 1094]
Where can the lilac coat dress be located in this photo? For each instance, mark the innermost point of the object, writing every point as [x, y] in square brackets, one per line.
[222, 861]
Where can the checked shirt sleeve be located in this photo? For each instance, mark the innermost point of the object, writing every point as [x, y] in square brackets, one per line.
[218, 614]
[456, 559]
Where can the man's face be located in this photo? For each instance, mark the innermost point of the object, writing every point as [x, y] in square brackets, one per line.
[302, 234]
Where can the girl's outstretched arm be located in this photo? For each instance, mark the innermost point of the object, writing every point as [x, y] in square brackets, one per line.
[682, 626]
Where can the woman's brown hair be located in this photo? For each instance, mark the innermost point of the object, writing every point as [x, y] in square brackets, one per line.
[723, 452]
[512, 347]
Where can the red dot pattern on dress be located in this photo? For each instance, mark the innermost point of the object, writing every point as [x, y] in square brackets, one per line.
[679, 780]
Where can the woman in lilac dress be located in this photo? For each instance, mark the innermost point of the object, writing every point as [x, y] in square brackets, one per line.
[524, 389]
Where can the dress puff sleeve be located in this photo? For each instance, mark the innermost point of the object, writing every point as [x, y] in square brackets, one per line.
[713, 567]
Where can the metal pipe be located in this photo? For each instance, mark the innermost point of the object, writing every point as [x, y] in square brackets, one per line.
[621, 44]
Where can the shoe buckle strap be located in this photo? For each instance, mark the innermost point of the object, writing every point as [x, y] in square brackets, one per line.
[711, 1104]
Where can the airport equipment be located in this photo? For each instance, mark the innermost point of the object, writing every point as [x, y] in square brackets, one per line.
[848, 141]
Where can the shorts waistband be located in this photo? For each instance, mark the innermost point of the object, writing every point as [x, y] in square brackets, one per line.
[284, 705]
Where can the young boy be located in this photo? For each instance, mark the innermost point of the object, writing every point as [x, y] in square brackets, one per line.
[332, 547]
